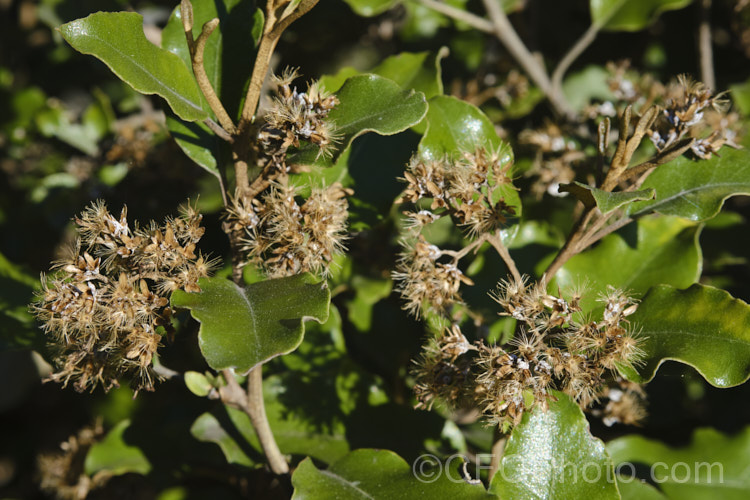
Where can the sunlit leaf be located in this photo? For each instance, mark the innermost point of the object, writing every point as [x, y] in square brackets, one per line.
[630, 15]
[115, 456]
[552, 454]
[117, 39]
[703, 327]
[241, 328]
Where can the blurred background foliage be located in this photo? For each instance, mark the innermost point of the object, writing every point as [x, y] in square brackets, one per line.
[70, 133]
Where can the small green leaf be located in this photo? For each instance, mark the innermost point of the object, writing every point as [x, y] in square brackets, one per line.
[630, 15]
[381, 474]
[606, 201]
[415, 70]
[665, 251]
[713, 465]
[703, 327]
[581, 87]
[455, 126]
[369, 8]
[371, 103]
[115, 456]
[117, 39]
[197, 383]
[697, 189]
[741, 96]
[552, 454]
[241, 328]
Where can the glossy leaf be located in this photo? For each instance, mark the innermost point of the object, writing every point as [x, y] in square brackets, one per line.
[197, 383]
[455, 126]
[697, 189]
[630, 15]
[115, 456]
[552, 454]
[380, 474]
[703, 327]
[117, 39]
[371, 103]
[664, 250]
[606, 201]
[293, 433]
[241, 328]
[713, 465]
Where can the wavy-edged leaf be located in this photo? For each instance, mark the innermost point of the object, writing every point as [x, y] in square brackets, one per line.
[630, 15]
[293, 433]
[665, 251]
[241, 328]
[114, 455]
[117, 39]
[713, 465]
[379, 474]
[605, 200]
[197, 141]
[697, 189]
[552, 454]
[455, 126]
[702, 326]
[371, 103]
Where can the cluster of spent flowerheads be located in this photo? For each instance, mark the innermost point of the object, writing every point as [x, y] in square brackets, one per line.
[469, 190]
[284, 235]
[105, 304]
[688, 109]
[555, 158]
[552, 349]
[294, 116]
[62, 474]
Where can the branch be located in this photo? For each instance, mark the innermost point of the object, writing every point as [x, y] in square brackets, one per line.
[704, 45]
[497, 243]
[252, 404]
[197, 48]
[507, 35]
[476, 22]
[581, 45]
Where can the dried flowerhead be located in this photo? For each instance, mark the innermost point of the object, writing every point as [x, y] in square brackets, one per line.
[286, 235]
[106, 307]
[295, 116]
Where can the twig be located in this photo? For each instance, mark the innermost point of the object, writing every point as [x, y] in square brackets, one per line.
[197, 48]
[569, 58]
[476, 22]
[705, 49]
[497, 243]
[218, 130]
[272, 31]
[251, 402]
[507, 35]
[474, 245]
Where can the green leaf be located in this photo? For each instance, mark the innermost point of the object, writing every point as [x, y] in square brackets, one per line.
[713, 465]
[741, 96]
[415, 70]
[17, 326]
[369, 8]
[697, 189]
[380, 474]
[197, 141]
[197, 383]
[293, 433]
[634, 489]
[371, 103]
[590, 83]
[117, 39]
[455, 126]
[115, 456]
[606, 201]
[241, 328]
[703, 327]
[552, 454]
[630, 15]
[665, 251]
